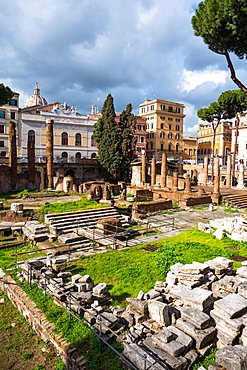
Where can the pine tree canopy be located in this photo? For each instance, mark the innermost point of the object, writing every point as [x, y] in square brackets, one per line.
[5, 94]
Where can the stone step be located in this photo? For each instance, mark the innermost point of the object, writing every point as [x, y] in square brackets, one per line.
[56, 216]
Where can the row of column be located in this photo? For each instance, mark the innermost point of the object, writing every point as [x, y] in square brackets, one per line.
[153, 170]
[217, 171]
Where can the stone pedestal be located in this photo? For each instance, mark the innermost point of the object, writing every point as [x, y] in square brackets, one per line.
[16, 207]
[187, 183]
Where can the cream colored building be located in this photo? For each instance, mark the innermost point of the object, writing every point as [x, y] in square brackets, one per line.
[9, 112]
[223, 139]
[164, 121]
[73, 132]
[189, 147]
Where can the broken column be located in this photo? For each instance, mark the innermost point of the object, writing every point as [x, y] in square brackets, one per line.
[187, 183]
[13, 154]
[143, 168]
[205, 179]
[175, 181]
[241, 177]
[163, 170]
[49, 152]
[153, 172]
[216, 176]
[31, 159]
[228, 171]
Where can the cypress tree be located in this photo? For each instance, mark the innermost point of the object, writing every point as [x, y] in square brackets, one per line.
[106, 135]
[127, 126]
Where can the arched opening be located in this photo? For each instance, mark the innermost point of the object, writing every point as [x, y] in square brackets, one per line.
[177, 147]
[77, 139]
[64, 138]
[93, 155]
[170, 147]
[31, 136]
[64, 156]
[78, 155]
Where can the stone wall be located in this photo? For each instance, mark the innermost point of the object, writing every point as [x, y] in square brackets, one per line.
[38, 322]
[141, 209]
[195, 201]
[22, 180]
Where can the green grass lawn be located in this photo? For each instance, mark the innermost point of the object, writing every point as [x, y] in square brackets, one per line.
[130, 270]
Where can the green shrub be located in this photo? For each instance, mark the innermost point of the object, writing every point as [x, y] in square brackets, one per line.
[27, 356]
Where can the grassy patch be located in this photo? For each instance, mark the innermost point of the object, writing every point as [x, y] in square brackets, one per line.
[231, 210]
[130, 270]
[84, 203]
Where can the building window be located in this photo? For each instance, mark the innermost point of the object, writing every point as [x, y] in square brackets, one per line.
[141, 139]
[209, 150]
[64, 155]
[151, 135]
[198, 151]
[205, 151]
[177, 137]
[64, 138]
[162, 126]
[147, 146]
[177, 128]
[1, 129]
[2, 114]
[177, 119]
[1, 143]
[163, 107]
[177, 147]
[161, 147]
[177, 110]
[143, 110]
[170, 109]
[162, 135]
[78, 155]
[170, 135]
[169, 118]
[93, 142]
[77, 139]
[152, 107]
[12, 115]
[151, 145]
[163, 118]
[13, 102]
[2, 154]
[147, 136]
[170, 147]
[170, 127]
[152, 125]
[31, 136]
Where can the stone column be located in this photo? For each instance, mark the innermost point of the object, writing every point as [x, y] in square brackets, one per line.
[216, 176]
[49, 152]
[228, 171]
[153, 172]
[241, 177]
[163, 170]
[31, 159]
[143, 169]
[187, 183]
[13, 154]
[175, 181]
[205, 179]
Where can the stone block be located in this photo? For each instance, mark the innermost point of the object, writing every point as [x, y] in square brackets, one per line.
[107, 319]
[194, 268]
[201, 336]
[231, 306]
[138, 305]
[232, 358]
[141, 358]
[100, 289]
[242, 272]
[196, 317]
[198, 298]
[159, 312]
[226, 323]
[152, 294]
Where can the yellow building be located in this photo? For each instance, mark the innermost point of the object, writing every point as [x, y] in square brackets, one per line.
[164, 128]
[189, 147]
[8, 112]
[223, 138]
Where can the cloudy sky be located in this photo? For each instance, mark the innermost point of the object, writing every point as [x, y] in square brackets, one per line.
[80, 50]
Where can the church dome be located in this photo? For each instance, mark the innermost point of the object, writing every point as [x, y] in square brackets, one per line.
[35, 99]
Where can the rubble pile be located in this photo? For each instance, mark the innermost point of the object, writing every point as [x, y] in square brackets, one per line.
[200, 306]
[232, 227]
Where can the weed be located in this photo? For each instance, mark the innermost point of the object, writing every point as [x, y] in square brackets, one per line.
[208, 360]
[27, 356]
[60, 365]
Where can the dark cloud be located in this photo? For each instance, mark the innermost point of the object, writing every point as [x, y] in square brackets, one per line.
[80, 50]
